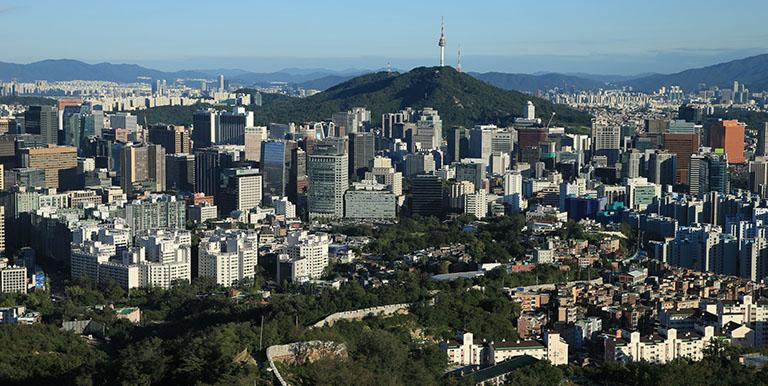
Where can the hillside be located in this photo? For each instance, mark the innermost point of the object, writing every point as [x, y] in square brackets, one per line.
[752, 71]
[529, 82]
[460, 99]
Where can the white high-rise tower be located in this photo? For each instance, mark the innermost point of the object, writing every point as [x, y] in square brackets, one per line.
[441, 43]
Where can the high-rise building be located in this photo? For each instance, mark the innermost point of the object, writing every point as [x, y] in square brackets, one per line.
[631, 164]
[180, 172]
[42, 121]
[231, 126]
[708, 172]
[352, 121]
[456, 137]
[370, 200]
[662, 167]
[683, 145]
[427, 196]
[362, 149]
[228, 256]
[429, 129]
[606, 140]
[59, 163]
[530, 111]
[758, 170]
[241, 190]
[384, 173]
[308, 253]
[157, 211]
[204, 128]
[275, 166]
[328, 177]
[174, 139]
[762, 141]
[142, 164]
[254, 136]
[222, 86]
[2, 230]
[729, 136]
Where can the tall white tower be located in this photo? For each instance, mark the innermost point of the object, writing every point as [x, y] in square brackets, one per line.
[441, 42]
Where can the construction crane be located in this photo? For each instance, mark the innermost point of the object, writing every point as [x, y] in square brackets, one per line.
[550, 120]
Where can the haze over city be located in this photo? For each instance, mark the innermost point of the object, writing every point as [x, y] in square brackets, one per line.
[616, 37]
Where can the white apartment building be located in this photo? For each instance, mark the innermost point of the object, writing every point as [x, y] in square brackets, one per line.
[629, 347]
[229, 256]
[470, 352]
[308, 253]
[747, 312]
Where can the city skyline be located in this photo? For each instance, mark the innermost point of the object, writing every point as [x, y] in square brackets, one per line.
[564, 37]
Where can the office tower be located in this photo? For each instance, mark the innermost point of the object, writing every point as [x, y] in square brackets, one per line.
[662, 167]
[384, 173]
[728, 135]
[530, 111]
[429, 129]
[419, 163]
[283, 207]
[71, 124]
[308, 253]
[530, 137]
[59, 163]
[389, 121]
[230, 126]
[631, 164]
[297, 180]
[513, 191]
[7, 125]
[480, 142]
[656, 126]
[174, 139]
[691, 113]
[683, 145]
[473, 172]
[640, 193]
[2, 230]
[93, 123]
[698, 175]
[454, 138]
[254, 136]
[276, 166]
[222, 87]
[500, 162]
[606, 140]
[327, 170]
[42, 121]
[677, 126]
[362, 149]
[427, 196]
[125, 121]
[370, 200]
[208, 165]
[352, 121]
[758, 172]
[228, 256]
[762, 141]
[180, 172]
[144, 165]
[241, 190]
[204, 128]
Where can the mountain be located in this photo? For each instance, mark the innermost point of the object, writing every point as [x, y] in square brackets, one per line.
[528, 82]
[68, 69]
[609, 78]
[460, 99]
[752, 71]
[325, 82]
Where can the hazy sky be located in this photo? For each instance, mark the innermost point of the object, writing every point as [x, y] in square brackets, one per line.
[609, 36]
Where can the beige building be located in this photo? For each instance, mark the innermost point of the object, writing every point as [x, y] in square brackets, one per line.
[57, 161]
[13, 279]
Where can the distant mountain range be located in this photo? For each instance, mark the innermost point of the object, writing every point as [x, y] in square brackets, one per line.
[752, 71]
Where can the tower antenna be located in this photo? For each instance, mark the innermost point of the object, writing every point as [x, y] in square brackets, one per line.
[458, 65]
[441, 42]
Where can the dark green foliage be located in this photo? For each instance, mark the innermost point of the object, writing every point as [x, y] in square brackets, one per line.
[41, 354]
[460, 99]
[170, 115]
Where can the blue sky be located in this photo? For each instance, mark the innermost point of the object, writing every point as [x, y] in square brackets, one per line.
[618, 37]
